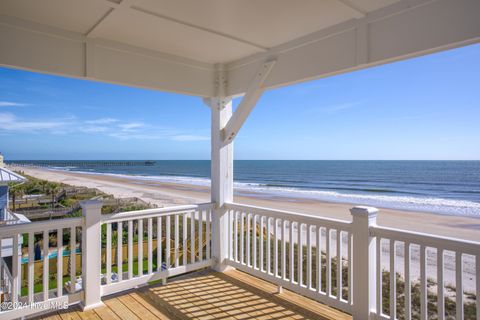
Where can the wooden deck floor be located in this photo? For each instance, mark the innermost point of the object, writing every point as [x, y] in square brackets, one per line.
[206, 295]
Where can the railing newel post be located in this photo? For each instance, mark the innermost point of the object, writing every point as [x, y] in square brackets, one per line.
[91, 253]
[364, 262]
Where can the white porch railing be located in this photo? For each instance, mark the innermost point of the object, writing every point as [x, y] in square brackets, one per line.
[35, 294]
[177, 241]
[424, 248]
[339, 263]
[282, 247]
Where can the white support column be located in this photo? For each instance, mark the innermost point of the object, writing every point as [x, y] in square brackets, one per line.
[91, 254]
[364, 262]
[222, 180]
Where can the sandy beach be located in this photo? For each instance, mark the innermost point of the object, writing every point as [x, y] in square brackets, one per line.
[167, 194]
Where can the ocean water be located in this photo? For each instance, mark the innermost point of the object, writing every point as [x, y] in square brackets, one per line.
[444, 187]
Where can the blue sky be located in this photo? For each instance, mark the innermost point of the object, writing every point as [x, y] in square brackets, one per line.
[422, 108]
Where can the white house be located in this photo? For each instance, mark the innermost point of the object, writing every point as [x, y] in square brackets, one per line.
[217, 50]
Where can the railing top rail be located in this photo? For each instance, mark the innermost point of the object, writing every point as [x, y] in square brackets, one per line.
[428, 240]
[37, 226]
[158, 212]
[288, 215]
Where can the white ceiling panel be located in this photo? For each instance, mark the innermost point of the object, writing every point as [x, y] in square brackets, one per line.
[265, 23]
[72, 15]
[148, 31]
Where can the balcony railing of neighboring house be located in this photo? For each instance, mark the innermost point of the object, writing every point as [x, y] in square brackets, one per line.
[338, 263]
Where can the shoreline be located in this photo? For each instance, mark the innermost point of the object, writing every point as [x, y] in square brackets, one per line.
[166, 194]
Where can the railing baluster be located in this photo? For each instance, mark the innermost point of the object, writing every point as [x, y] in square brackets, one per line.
[393, 282]
[159, 243]
[379, 276]
[440, 286]
[200, 235]
[292, 253]
[350, 266]
[15, 266]
[339, 264]
[31, 266]
[130, 249]
[328, 276]
[269, 236]
[120, 251]
[140, 247]
[309, 256]
[319, 259]
[149, 246]
[254, 239]
[275, 247]
[242, 230]
[176, 241]
[108, 252]
[284, 250]
[477, 286]
[459, 284]
[261, 243]
[59, 262]
[300, 254]
[192, 237]
[235, 216]
[184, 242]
[230, 235]
[167, 241]
[423, 283]
[73, 258]
[207, 232]
[249, 227]
[45, 264]
[408, 289]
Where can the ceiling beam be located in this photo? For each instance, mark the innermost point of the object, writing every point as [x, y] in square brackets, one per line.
[402, 30]
[36, 47]
[197, 27]
[125, 4]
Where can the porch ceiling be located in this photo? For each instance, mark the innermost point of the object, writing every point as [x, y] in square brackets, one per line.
[175, 45]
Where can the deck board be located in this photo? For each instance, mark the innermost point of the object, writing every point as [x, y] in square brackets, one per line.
[206, 295]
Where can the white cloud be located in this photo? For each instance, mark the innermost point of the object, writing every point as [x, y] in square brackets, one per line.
[94, 129]
[131, 126]
[341, 107]
[136, 136]
[10, 122]
[189, 137]
[11, 104]
[102, 121]
[105, 126]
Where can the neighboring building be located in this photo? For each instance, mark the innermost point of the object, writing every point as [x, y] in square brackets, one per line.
[7, 218]
[6, 177]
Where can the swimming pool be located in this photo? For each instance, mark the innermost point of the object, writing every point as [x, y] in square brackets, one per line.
[52, 255]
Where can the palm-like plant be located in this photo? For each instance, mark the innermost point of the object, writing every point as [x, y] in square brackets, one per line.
[16, 190]
[52, 189]
[43, 184]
